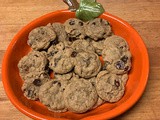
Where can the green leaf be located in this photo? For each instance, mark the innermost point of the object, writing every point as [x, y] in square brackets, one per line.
[89, 9]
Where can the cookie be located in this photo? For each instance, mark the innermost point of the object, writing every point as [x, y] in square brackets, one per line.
[80, 96]
[51, 95]
[54, 49]
[98, 29]
[31, 87]
[82, 45]
[111, 54]
[119, 66]
[62, 62]
[60, 32]
[98, 46]
[74, 28]
[34, 61]
[110, 86]
[87, 64]
[116, 41]
[41, 37]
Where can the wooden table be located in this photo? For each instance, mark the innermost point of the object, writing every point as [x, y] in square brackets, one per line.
[143, 15]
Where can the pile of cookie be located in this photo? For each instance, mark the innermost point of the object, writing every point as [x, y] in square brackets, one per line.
[71, 51]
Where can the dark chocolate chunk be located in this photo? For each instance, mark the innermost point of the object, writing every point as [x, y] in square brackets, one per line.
[100, 19]
[116, 83]
[71, 22]
[126, 68]
[72, 39]
[81, 23]
[119, 65]
[56, 82]
[37, 82]
[74, 54]
[124, 59]
[59, 84]
[94, 23]
[26, 68]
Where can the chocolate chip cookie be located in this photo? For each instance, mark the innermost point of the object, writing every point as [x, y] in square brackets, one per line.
[74, 28]
[80, 96]
[34, 61]
[110, 86]
[41, 37]
[87, 64]
[98, 29]
[62, 62]
[51, 95]
[121, 65]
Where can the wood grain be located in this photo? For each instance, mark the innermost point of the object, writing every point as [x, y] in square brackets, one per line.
[143, 15]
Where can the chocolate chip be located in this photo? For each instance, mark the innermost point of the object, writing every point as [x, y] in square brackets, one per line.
[37, 82]
[42, 32]
[74, 54]
[63, 89]
[26, 68]
[100, 19]
[71, 22]
[116, 83]
[81, 23]
[124, 59]
[121, 47]
[36, 55]
[59, 84]
[56, 82]
[78, 35]
[72, 39]
[94, 23]
[119, 65]
[126, 68]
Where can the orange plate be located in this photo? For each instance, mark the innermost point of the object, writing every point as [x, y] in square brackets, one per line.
[134, 88]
